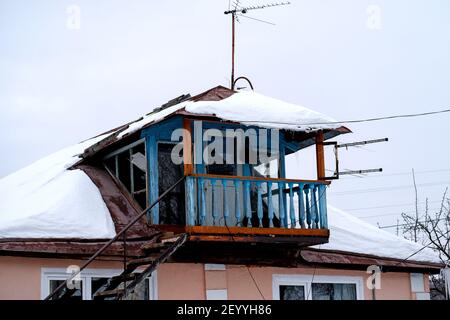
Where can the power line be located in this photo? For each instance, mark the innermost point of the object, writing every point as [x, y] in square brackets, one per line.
[404, 173]
[358, 120]
[387, 214]
[383, 189]
[405, 224]
[389, 206]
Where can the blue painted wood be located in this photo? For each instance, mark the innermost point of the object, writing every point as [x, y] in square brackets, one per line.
[201, 189]
[291, 205]
[198, 146]
[213, 201]
[190, 201]
[260, 205]
[237, 201]
[282, 204]
[323, 206]
[269, 203]
[226, 212]
[307, 206]
[248, 205]
[301, 205]
[162, 131]
[284, 219]
[152, 158]
[315, 214]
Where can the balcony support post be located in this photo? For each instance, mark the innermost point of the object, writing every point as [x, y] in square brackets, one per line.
[320, 155]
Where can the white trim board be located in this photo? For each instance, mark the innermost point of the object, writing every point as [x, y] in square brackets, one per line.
[306, 280]
[48, 274]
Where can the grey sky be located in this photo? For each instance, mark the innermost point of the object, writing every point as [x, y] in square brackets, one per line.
[59, 86]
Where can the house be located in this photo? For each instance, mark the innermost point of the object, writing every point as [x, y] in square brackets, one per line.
[145, 214]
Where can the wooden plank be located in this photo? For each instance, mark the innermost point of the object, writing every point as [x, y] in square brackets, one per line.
[187, 147]
[323, 207]
[260, 204]
[297, 240]
[256, 231]
[320, 156]
[152, 174]
[216, 176]
[190, 206]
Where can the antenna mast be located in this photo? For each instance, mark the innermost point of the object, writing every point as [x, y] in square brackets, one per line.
[243, 10]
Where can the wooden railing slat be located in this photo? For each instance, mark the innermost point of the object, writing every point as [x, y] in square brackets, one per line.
[309, 211]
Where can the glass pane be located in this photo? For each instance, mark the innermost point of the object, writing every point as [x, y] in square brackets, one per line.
[334, 291]
[77, 295]
[139, 175]
[111, 164]
[292, 293]
[96, 284]
[124, 169]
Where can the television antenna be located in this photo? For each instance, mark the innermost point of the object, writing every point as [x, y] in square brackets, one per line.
[337, 146]
[241, 11]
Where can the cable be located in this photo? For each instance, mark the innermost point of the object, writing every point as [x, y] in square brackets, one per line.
[355, 121]
[405, 224]
[421, 249]
[396, 174]
[390, 206]
[382, 189]
[386, 214]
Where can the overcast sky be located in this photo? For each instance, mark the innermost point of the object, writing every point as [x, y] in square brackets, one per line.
[349, 59]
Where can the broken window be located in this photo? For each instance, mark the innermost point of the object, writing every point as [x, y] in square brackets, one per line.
[129, 166]
[53, 284]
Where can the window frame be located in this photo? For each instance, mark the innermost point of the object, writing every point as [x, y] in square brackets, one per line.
[114, 154]
[48, 274]
[307, 281]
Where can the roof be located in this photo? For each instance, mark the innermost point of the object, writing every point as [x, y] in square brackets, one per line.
[350, 234]
[48, 202]
[244, 107]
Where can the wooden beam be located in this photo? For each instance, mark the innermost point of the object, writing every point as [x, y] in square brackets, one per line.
[257, 231]
[187, 147]
[320, 156]
[262, 179]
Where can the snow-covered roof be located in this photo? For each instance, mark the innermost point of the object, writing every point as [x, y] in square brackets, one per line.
[350, 234]
[250, 108]
[46, 200]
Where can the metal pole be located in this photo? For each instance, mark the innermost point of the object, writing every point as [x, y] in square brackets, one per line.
[125, 262]
[232, 50]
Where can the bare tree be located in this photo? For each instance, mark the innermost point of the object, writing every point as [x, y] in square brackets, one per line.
[432, 230]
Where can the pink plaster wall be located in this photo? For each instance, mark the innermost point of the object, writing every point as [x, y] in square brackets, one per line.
[20, 278]
[181, 281]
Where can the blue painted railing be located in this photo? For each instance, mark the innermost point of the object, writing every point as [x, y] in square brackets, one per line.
[255, 202]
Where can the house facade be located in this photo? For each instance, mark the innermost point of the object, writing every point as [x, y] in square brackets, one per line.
[192, 201]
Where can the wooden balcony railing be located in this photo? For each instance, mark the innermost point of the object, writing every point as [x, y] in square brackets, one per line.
[236, 201]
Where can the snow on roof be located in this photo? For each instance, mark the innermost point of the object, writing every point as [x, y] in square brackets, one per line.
[45, 200]
[350, 234]
[250, 108]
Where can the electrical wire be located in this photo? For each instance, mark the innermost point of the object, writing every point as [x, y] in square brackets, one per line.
[390, 206]
[386, 214]
[355, 121]
[383, 189]
[405, 224]
[396, 174]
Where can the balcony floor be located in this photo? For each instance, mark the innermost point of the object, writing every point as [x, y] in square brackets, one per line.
[300, 237]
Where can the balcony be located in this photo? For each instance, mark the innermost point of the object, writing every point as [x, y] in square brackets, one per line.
[252, 209]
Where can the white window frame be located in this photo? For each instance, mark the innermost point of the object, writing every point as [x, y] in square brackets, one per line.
[307, 280]
[48, 274]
